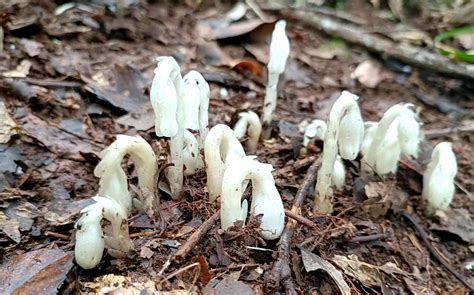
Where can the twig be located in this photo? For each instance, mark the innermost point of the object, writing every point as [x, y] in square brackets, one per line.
[180, 271]
[53, 83]
[365, 239]
[281, 271]
[300, 219]
[405, 52]
[195, 237]
[434, 133]
[57, 235]
[424, 237]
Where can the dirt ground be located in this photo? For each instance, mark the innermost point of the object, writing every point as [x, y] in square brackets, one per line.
[71, 79]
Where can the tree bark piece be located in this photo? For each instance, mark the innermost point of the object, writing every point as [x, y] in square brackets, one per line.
[195, 238]
[407, 53]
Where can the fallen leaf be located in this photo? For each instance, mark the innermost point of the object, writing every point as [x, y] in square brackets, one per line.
[10, 227]
[368, 274]
[36, 272]
[141, 119]
[62, 212]
[457, 222]
[313, 262]
[146, 253]
[32, 48]
[55, 139]
[121, 86]
[8, 127]
[368, 73]
[21, 71]
[246, 66]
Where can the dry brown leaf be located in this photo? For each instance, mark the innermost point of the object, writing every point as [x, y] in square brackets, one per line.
[8, 127]
[367, 274]
[21, 71]
[368, 73]
[36, 272]
[313, 262]
[457, 222]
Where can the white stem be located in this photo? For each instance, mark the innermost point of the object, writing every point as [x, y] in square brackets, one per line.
[350, 140]
[266, 200]
[220, 148]
[269, 103]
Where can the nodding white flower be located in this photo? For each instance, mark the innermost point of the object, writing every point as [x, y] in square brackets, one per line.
[279, 48]
[338, 177]
[249, 121]
[279, 52]
[315, 129]
[397, 133]
[166, 97]
[438, 179]
[191, 157]
[165, 93]
[220, 148]
[91, 239]
[113, 180]
[196, 102]
[344, 133]
[265, 197]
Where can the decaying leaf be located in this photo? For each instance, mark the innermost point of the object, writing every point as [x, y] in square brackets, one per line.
[368, 274]
[10, 227]
[21, 71]
[383, 196]
[368, 73]
[313, 262]
[54, 138]
[8, 127]
[36, 272]
[457, 222]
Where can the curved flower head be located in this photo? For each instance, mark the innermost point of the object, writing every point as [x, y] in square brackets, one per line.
[249, 122]
[279, 48]
[195, 101]
[351, 126]
[164, 93]
[315, 129]
[191, 157]
[266, 200]
[220, 148]
[438, 179]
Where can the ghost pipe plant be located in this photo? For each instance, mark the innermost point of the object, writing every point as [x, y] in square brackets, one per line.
[249, 121]
[397, 133]
[220, 148]
[279, 51]
[344, 134]
[196, 104]
[317, 129]
[191, 157]
[370, 128]
[265, 197]
[438, 179]
[166, 99]
[91, 239]
[113, 181]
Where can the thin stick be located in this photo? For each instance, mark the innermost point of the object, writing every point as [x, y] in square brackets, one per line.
[424, 237]
[179, 271]
[57, 235]
[281, 271]
[195, 237]
[300, 219]
[407, 53]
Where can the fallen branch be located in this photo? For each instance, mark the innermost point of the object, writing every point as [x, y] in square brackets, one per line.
[281, 271]
[300, 219]
[424, 237]
[407, 53]
[195, 237]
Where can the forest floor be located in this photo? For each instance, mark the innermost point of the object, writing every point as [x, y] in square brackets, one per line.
[71, 79]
